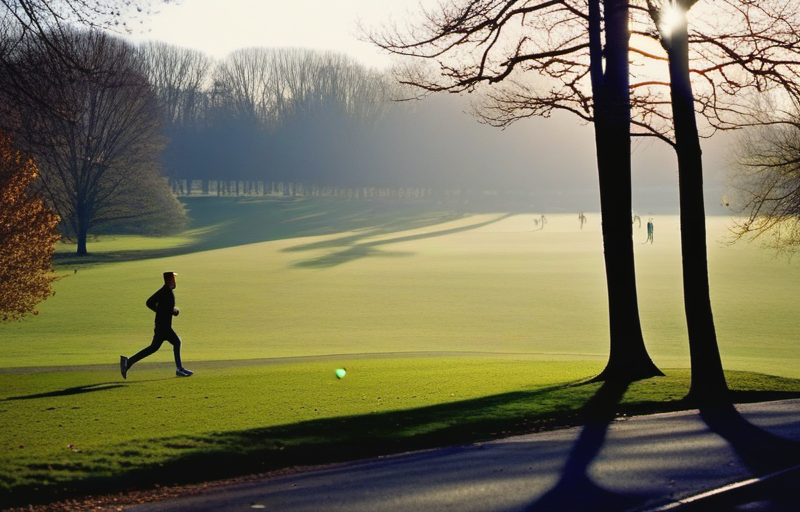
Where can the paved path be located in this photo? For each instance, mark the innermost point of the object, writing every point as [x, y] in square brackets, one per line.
[629, 464]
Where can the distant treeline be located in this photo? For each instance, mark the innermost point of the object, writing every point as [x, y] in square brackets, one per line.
[546, 200]
[306, 116]
[269, 114]
[295, 189]
[107, 122]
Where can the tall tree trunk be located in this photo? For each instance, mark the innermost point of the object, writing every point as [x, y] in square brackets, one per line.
[82, 234]
[708, 386]
[628, 358]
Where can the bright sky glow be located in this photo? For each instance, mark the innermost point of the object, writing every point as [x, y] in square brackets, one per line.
[218, 27]
[672, 17]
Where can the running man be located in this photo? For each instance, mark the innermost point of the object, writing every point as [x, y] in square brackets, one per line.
[163, 304]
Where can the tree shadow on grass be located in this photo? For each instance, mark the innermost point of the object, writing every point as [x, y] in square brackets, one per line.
[353, 253]
[218, 223]
[191, 459]
[214, 456]
[367, 249]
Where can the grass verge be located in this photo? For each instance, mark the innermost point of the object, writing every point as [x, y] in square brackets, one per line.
[299, 418]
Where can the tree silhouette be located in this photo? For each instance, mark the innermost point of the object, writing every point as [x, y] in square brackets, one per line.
[98, 144]
[766, 177]
[577, 53]
[178, 77]
[48, 22]
[739, 46]
[708, 379]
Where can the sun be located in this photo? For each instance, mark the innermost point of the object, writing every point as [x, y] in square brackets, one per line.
[672, 16]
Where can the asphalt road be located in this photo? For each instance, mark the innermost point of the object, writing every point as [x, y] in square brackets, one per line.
[639, 463]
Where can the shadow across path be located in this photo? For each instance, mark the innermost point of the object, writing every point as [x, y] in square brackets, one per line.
[575, 490]
[765, 454]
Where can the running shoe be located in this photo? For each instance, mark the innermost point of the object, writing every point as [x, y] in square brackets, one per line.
[183, 372]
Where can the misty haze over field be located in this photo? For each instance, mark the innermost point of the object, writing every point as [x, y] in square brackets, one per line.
[552, 158]
[431, 143]
[545, 164]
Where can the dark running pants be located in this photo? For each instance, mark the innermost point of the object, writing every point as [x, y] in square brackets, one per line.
[159, 337]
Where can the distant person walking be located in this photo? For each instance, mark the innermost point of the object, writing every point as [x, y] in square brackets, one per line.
[582, 219]
[649, 231]
[163, 304]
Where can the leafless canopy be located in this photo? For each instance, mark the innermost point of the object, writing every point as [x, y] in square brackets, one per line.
[766, 181]
[539, 50]
[739, 50]
[98, 142]
[49, 21]
[269, 85]
[536, 54]
[179, 76]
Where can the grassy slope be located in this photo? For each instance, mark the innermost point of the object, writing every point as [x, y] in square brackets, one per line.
[364, 278]
[485, 283]
[80, 432]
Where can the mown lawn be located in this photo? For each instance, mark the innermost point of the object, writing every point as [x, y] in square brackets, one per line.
[477, 283]
[453, 327]
[82, 431]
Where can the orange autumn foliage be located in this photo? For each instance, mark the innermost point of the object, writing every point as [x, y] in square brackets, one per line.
[27, 236]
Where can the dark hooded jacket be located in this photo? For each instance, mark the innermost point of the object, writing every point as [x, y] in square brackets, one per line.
[163, 303]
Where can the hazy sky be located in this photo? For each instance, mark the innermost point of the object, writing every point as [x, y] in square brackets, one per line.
[218, 27]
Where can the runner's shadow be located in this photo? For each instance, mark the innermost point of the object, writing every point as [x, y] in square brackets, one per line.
[77, 390]
[575, 490]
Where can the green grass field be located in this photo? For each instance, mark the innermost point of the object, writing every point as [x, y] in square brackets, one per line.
[452, 326]
[395, 279]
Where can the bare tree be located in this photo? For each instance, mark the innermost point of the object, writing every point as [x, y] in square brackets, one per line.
[21, 21]
[766, 180]
[576, 53]
[48, 21]
[269, 85]
[708, 379]
[178, 76]
[733, 47]
[334, 83]
[273, 113]
[98, 146]
[247, 86]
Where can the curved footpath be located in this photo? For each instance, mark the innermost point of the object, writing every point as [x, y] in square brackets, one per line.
[659, 462]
